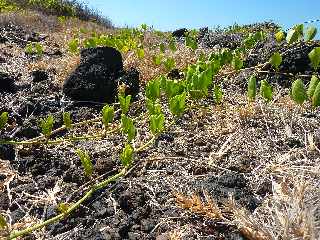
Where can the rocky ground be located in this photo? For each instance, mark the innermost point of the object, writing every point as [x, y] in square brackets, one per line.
[264, 155]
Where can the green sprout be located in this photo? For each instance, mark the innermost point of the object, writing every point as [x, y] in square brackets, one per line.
[266, 90]
[275, 60]
[312, 86]
[157, 124]
[128, 127]
[3, 119]
[298, 92]
[126, 156]
[316, 97]
[67, 120]
[107, 115]
[252, 88]
[217, 94]
[46, 126]
[153, 107]
[124, 102]
[86, 162]
[177, 104]
[314, 57]
[153, 89]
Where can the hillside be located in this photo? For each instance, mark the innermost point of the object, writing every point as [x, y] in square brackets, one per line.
[134, 133]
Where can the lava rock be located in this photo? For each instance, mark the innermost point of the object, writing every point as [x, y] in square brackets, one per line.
[7, 152]
[95, 79]
[6, 83]
[39, 76]
[181, 32]
[224, 40]
[131, 79]
[175, 74]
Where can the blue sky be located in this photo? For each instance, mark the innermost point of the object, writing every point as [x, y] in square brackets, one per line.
[172, 14]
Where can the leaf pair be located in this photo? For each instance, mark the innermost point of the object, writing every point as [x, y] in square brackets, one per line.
[157, 123]
[124, 102]
[86, 162]
[299, 93]
[128, 127]
[169, 64]
[153, 107]
[177, 104]
[46, 126]
[153, 89]
[265, 89]
[107, 115]
[3, 119]
[314, 57]
[126, 155]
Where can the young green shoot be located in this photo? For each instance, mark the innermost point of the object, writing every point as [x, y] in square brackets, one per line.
[298, 92]
[311, 32]
[275, 60]
[266, 91]
[157, 124]
[312, 86]
[314, 57]
[46, 126]
[252, 88]
[153, 89]
[128, 127]
[177, 104]
[217, 94]
[316, 97]
[107, 115]
[153, 108]
[67, 120]
[124, 102]
[126, 156]
[3, 119]
[86, 162]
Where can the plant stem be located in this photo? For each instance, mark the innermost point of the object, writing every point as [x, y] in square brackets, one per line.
[88, 194]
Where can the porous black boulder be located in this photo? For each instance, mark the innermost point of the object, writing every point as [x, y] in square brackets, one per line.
[95, 79]
[6, 83]
[39, 76]
[131, 79]
[181, 32]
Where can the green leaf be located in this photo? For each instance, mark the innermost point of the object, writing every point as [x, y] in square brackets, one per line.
[312, 86]
[275, 60]
[152, 107]
[316, 97]
[126, 156]
[173, 88]
[162, 47]
[298, 91]
[266, 90]
[29, 49]
[140, 53]
[172, 45]
[124, 102]
[217, 94]
[249, 42]
[177, 104]
[67, 120]
[3, 223]
[73, 45]
[38, 49]
[63, 208]
[3, 119]
[169, 64]
[311, 33]
[295, 34]
[252, 88]
[46, 126]
[226, 56]
[237, 63]
[85, 161]
[128, 127]
[280, 36]
[156, 123]
[314, 57]
[191, 42]
[107, 114]
[157, 59]
[153, 89]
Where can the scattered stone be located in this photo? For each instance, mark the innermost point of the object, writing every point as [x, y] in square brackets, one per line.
[131, 79]
[95, 79]
[175, 74]
[39, 76]
[6, 83]
[181, 32]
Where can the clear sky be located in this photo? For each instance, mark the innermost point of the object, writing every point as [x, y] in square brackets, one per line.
[172, 14]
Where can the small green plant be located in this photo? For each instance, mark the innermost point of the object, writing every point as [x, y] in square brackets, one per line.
[172, 45]
[34, 48]
[124, 102]
[107, 115]
[316, 97]
[280, 36]
[86, 162]
[162, 47]
[295, 34]
[67, 120]
[126, 156]
[140, 53]
[153, 107]
[191, 42]
[312, 86]
[252, 88]
[217, 94]
[153, 89]
[157, 59]
[298, 91]
[169, 64]
[314, 57]
[266, 90]
[73, 45]
[3, 119]
[157, 124]
[275, 60]
[46, 126]
[177, 104]
[311, 32]
[128, 127]
[237, 63]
